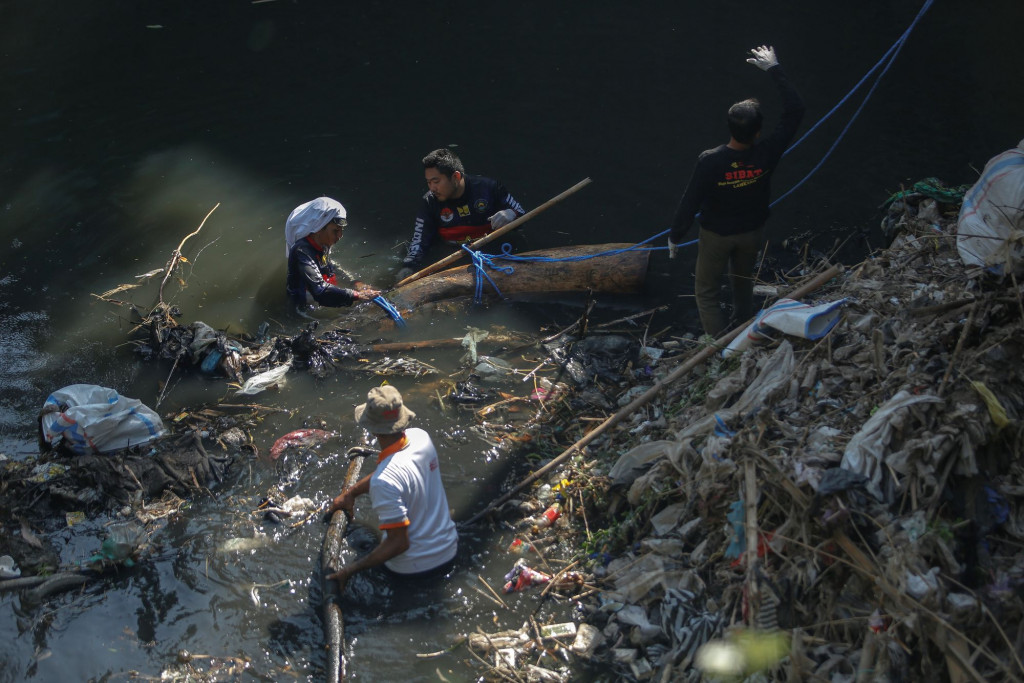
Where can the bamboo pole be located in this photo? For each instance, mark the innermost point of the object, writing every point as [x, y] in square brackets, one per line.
[750, 503]
[452, 258]
[647, 396]
[334, 629]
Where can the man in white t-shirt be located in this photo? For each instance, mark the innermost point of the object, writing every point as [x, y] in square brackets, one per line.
[406, 493]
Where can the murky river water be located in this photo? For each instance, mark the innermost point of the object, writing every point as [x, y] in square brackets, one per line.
[127, 122]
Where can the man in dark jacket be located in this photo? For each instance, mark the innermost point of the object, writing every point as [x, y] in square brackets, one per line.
[730, 188]
[457, 207]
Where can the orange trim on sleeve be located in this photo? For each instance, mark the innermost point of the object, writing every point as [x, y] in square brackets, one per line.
[396, 525]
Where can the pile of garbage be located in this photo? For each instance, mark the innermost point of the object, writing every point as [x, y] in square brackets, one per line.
[847, 508]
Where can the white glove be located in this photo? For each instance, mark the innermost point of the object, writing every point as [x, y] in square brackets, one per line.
[764, 57]
[673, 248]
[503, 217]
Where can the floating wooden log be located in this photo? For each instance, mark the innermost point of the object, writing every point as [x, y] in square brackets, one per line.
[447, 342]
[621, 272]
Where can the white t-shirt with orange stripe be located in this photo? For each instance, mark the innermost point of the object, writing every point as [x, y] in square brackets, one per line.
[406, 490]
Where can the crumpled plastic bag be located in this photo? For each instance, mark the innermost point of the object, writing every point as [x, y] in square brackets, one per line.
[634, 462]
[473, 337]
[264, 380]
[774, 374]
[87, 418]
[648, 577]
[668, 519]
[868, 448]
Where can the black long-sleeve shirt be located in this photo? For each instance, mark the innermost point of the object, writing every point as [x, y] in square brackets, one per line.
[732, 188]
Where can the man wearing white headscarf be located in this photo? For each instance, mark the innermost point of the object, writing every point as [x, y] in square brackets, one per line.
[310, 232]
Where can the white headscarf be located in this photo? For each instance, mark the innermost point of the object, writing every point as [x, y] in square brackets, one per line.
[305, 219]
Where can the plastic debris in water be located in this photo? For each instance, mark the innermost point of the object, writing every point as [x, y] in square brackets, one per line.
[550, 516]
[274, 377]
[121, 546]
[522, 577]
[244, 544]
[300, 437]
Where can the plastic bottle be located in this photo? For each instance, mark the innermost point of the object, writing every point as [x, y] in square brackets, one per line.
[549, 516]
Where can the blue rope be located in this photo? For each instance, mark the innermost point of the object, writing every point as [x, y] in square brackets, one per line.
[390, 309]
[479, 261]
[891, 54]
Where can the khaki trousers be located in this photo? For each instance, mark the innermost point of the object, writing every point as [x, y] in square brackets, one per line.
[717, 255]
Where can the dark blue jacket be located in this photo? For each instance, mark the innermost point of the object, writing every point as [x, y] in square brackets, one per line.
[310, 270]
[458, 220]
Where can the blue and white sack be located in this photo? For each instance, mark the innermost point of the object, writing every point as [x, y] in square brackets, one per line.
[87, 419]
[790, 317]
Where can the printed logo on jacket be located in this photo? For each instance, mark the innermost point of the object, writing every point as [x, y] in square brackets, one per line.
[741, 175]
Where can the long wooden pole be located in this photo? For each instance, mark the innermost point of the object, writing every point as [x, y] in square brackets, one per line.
[452, 258]
[334, 629]
[648, 395]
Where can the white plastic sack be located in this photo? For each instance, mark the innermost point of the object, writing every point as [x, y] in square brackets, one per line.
[92, 419]
[790, 317]
[990, 230]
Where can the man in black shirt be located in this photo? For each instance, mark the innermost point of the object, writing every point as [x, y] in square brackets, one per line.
[730, 188]
[457, 208]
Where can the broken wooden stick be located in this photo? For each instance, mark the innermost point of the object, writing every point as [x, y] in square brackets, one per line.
[175, 258]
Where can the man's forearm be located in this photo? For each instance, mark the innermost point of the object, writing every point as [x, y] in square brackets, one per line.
[393, 545]
[361, 487]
